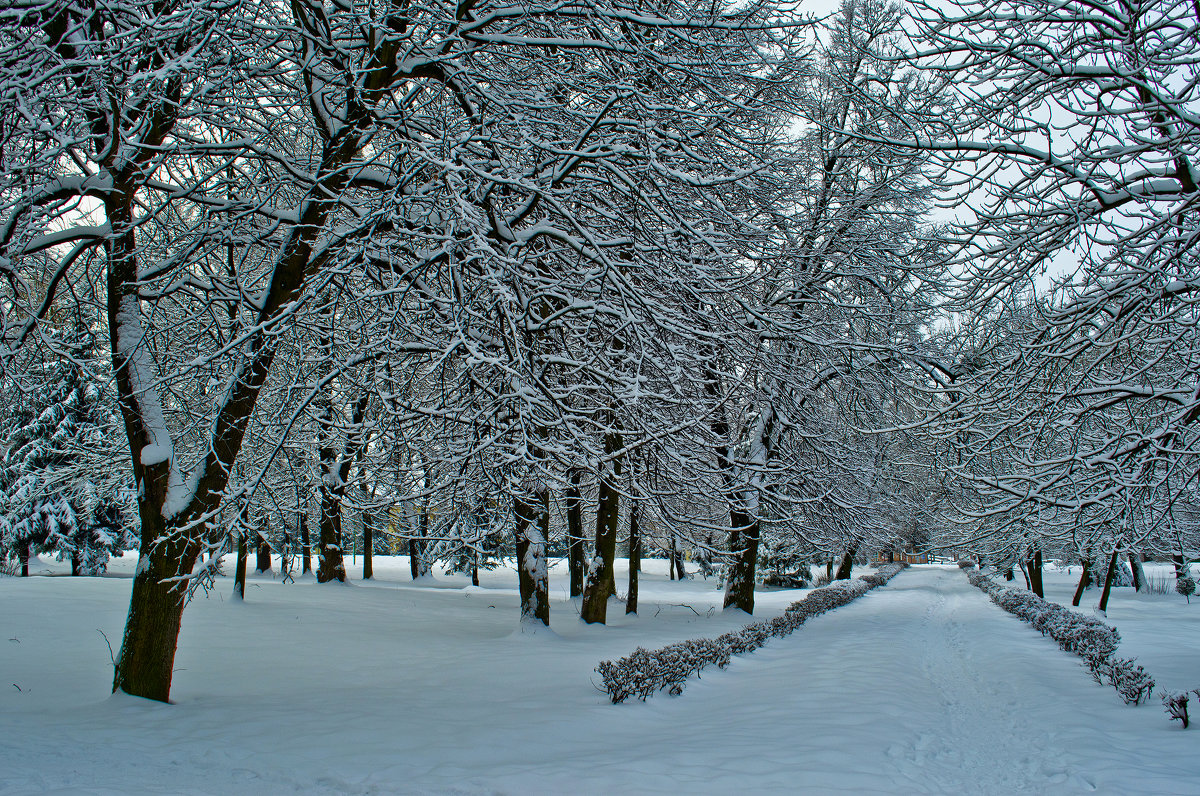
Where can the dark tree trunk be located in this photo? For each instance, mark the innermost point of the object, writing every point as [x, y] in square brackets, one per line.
[601, 580]
[368, 548]
[75, 563]
[829, 569]
[416, 544]
[743, 543]
[576, 547]
[147, 658]
[1035, 574]
[331, 564]
[263, 562]
[1180, 569]
[847, 565]
[1139, 574]
[671, 560]
[1085, 580]
[1008, 574]
[677, 555]
[532, 523]
[306, 544]
[475, 568]
[635, 559]
[23, 555]
[239, 572]
[1108, 578]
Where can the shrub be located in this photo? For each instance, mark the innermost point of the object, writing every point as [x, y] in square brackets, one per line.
[644, 672]
[966, 564]
[1132, 682]
[1176, 705]
[1185, 586]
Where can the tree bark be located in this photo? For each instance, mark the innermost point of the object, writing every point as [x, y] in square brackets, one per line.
[601, 580]
[1108, 578]
[263, 555]
[368, 548]
[1085, 580]
[331, 563]
[305, 543]
[635, 559]
[576, 551]
[1035, 574]
[1139, 573]
[239, 572]
[847, 565]
[532, 525]
[743, 543]
[23, 555]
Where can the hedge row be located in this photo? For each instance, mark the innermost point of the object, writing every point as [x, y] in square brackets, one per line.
[1087, 637]
[645, 671]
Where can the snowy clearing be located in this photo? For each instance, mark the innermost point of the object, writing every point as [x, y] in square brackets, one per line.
[921, 686]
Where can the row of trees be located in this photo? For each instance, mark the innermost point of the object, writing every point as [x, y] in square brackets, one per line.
[511, 269]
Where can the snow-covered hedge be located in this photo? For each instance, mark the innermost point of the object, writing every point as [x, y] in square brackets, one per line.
[1086, 636]
[645, 671]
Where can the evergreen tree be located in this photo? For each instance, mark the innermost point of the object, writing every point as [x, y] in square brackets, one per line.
[52, 497]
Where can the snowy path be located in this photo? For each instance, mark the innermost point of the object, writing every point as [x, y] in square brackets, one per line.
[922, 686]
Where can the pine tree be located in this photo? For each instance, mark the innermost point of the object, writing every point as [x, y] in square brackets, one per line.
[50, 498]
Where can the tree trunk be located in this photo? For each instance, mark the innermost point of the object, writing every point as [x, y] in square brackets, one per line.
[23, 555]
[1139, 574]
[847, 565]
[829, 569]
[601, 580]
[305, 543]
[75, 566]
[532, 524]
[1085, 580]
[1180, 569]
[743, 542]
[1035, 574]
[368, 548]
[263, 562]
[474, 567]
[239, 572]
[1108, 578]
[576, 549]
[635, 559]
[331, 564]
[147, 658]
[1008, 574]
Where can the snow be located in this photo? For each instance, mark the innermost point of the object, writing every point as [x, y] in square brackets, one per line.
[922, 686]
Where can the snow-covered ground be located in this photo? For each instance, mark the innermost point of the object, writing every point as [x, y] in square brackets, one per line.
[922, 686]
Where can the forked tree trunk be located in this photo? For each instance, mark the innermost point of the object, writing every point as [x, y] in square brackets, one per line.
[576, 544]
[635, 559]
[1085, 580]
[263, 555]
[532, 524]
[1108, 578]
[305, 544]
[601, 580]
[239, 571]
[368, 549]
